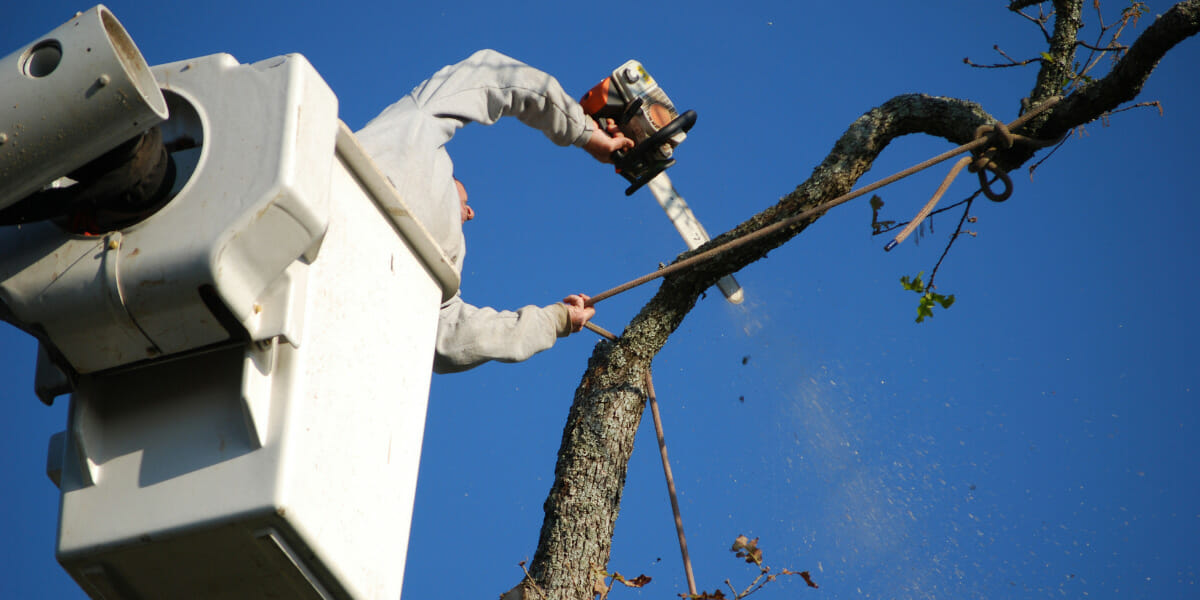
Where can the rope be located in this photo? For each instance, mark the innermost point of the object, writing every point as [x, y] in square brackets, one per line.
[928, 208]
[760, 233]
[997, 137]
[1000, 137]
[662, 449]
[652, 398]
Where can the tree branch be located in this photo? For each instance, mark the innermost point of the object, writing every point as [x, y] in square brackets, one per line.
[1122, 84]
[1062, 51]
[583, 503]
[584, 500]
[1127, 77]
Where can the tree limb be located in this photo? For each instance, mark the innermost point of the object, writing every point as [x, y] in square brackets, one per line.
[1127, 77]
[584, 501]
[1122, 84]
[1061, 67]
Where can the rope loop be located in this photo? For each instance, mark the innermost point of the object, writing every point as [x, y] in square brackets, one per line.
[998, 137]
[986, 185]
[991, 139]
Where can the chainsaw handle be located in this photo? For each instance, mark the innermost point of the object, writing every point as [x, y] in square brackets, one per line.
[682, 123]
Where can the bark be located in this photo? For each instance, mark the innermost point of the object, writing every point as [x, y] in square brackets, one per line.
[1054, 73]
[582, 507]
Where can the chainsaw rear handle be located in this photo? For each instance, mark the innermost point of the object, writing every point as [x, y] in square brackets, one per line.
[635, 158]
[682, 123]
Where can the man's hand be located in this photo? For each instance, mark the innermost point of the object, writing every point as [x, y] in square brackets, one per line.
[578, 311]
[603, 143]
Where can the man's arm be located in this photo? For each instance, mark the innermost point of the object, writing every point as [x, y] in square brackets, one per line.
[469, 336]
[489, 85]
[409, 136]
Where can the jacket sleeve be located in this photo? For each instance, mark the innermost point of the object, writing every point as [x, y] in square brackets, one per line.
[469, 336]
[489, 85]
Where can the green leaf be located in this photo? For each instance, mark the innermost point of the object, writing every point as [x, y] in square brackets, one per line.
[924, 308]
[928, 297]
[925, 305]
[1046, 56]
[914, 284]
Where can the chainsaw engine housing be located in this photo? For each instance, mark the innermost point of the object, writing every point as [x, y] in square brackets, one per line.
[633, 100]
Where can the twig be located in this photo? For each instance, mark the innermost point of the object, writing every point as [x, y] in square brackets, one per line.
[1111, 47]
[1011, 61]
[1037, 164]
[531, 580]
[1148, 103]
[954, 236]
[1040, 20]
[889, 228]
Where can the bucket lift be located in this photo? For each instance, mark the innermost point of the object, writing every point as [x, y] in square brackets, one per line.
[199, 249]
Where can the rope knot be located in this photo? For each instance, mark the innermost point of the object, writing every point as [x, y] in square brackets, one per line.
[998, 134]
[998, 138]
[992, 138]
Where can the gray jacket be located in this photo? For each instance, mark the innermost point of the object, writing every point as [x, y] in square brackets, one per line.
[407, 141]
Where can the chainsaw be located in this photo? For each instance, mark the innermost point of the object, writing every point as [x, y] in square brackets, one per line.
[642, 111]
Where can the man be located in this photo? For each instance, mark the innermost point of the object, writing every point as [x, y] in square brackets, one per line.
[407, 141]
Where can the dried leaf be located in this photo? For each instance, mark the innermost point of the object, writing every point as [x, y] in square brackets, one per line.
[599, 586]
[877, 226]
[717, 595]
[636, 582]
[747, 549]
[808, 579]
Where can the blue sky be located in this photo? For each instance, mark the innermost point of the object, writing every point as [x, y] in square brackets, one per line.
[1038, 439]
